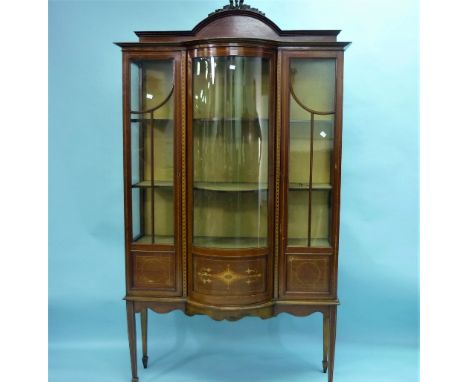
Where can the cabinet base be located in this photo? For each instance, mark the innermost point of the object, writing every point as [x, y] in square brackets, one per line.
[266, 310]
[232, 313]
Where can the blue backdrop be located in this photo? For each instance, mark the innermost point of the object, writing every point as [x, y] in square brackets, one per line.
[378, 321]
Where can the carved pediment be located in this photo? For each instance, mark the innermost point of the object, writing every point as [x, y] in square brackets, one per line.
[241, 21]
[239, 5]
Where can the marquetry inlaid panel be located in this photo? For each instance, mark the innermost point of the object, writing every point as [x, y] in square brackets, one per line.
[229, 276]
[308, 275]
[154, 271]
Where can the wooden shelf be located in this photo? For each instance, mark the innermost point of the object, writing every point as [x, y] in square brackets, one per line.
[158, 239]
[302, 242]
[157, 183]
[230, 242]
[305, 186]
[230, 186]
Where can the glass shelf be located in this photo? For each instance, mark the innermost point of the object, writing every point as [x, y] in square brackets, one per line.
[230, 242]
[305, 186]
[230, 186]
[157, 183]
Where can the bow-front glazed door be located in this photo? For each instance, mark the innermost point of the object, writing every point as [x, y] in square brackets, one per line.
[231, 175]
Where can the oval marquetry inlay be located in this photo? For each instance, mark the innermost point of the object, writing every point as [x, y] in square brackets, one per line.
[229, 276]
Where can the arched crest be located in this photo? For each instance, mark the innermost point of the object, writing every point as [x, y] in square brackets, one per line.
[237, 20]
[237, 23]
[241, 21]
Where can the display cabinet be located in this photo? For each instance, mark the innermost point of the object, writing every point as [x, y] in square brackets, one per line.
[232, 154]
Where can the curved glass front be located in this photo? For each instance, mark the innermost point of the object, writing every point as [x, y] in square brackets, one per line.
[230, 127]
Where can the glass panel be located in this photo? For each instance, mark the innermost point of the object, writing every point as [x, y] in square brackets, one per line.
[299, 152]
[163, 215]
[298, 217]
[137, 224]
[230, 151]
[152, 150]
[311, 134]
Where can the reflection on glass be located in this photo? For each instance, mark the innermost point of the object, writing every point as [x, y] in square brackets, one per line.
[230, 151]
[152, 150]
[311, 134]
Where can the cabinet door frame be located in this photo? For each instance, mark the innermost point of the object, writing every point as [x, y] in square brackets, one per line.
[148, 249]
[312, 252]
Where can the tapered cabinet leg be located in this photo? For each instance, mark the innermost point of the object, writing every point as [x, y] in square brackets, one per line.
[326, 340]
[144, 336]
[331, 352]
[132, 339]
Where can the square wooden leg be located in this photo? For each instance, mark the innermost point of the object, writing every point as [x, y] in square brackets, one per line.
[331, 352]
[144, 336]
[326, 339]
[132, 339]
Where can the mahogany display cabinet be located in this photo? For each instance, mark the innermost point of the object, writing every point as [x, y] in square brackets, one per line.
[232, 154]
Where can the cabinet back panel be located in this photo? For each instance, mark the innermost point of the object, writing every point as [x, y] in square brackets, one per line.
[231, 214]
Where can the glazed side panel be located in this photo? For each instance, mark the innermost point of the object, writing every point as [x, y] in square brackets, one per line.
[156, 269]
[309, 272]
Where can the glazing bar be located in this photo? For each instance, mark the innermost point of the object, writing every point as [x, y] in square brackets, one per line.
[311, 160]
[152, 177]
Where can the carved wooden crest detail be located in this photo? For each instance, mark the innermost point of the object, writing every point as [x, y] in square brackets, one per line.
[237, 5]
